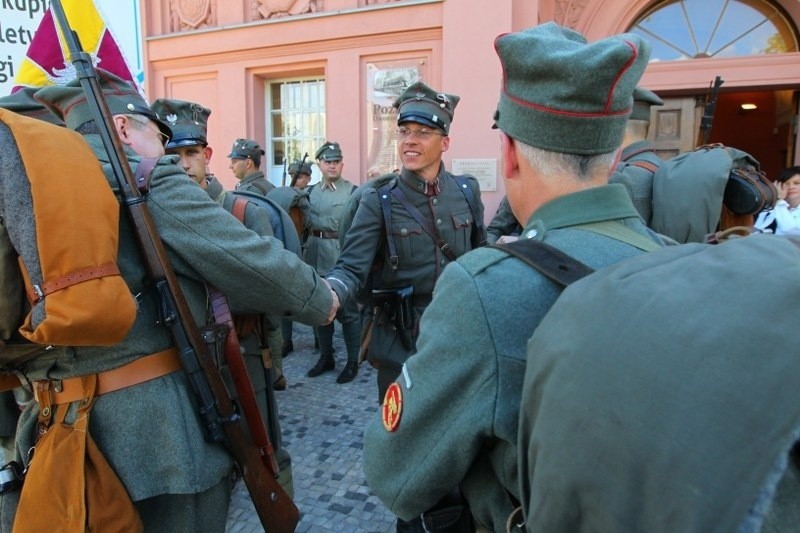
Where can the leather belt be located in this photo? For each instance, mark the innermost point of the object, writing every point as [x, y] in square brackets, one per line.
[324, 234]
[143, 369]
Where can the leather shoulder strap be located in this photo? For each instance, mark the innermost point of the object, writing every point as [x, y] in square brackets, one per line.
[480, 238]
[647, 165]
[426, 224]
[239, 207]
[384, 197]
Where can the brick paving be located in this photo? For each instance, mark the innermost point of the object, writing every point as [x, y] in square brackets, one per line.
[323, 426]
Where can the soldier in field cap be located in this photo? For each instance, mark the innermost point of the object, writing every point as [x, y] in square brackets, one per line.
[423, 192]
[419, 221]
[189, 124]
[560, 132]
[176, 478]
[245, 158]
[639, 161]
[326, 205]
[122, 98]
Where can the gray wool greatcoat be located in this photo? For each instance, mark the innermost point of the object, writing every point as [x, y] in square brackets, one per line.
[150, 433]
[461, 389]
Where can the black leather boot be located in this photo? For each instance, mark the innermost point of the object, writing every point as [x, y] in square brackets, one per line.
[287, 348]
[349, 373]
[411, 526]
[325, 363]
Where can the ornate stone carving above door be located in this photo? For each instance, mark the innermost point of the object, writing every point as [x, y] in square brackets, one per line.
[188, 15]
[269, 9]
[568, 12]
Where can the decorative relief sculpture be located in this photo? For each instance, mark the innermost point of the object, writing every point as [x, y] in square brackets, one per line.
[568, 12]
[189, 15]
[269, 9]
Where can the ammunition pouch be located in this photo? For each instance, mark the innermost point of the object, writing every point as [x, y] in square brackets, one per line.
[396, 308]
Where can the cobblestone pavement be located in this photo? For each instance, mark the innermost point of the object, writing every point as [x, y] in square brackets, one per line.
[323, 426]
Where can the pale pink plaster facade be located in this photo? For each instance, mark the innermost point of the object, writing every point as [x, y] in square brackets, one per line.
[219, 52]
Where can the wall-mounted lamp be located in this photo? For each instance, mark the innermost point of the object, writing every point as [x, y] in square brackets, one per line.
[749, 107]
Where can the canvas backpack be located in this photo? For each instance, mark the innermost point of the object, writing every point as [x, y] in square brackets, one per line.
[691, 190]
[282, 224]
[668, 380]
[59, 233]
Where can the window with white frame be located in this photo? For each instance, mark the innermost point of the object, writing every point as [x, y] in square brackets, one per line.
[296, 124]
[690, 29]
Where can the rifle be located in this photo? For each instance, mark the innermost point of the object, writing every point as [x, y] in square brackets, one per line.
[708, 112]
[217, 411]
[297, 170]
[283, 180]
[302, 162]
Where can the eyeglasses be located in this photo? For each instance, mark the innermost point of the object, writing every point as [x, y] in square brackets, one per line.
[163, 137]
[423, 134]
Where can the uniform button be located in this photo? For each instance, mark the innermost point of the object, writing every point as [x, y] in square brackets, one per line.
[438, 221]
[442, 262]
[435, 201]
[531, 234]
[404, 231]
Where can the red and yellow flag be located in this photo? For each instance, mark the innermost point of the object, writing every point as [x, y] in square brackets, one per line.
[46, 61]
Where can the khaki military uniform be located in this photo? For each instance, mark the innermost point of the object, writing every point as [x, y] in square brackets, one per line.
[461, 431]
[420, 262]
[322, 251]
[150, 433]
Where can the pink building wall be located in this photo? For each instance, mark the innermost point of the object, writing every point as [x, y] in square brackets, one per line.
[220, 52]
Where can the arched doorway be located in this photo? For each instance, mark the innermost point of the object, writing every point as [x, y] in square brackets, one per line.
[756, 121]
[751, 44]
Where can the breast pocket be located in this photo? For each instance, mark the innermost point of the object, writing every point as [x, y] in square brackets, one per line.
[462, 230]
[413, 245]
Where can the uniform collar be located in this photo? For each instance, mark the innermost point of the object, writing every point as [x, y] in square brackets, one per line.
[252, 177]
[331, 185]
[609, 202]
[420, 185]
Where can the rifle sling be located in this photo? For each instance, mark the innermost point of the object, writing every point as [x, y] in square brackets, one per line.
[241, 380]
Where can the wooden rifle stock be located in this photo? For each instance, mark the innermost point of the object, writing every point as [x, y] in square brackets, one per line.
[244, 388]
[275, 509]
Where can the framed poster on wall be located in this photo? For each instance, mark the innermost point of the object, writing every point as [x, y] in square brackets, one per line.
[385, 81]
